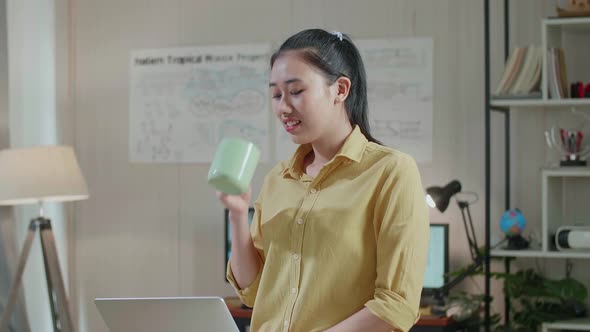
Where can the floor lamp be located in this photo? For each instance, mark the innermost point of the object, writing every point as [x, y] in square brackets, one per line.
[35, 176]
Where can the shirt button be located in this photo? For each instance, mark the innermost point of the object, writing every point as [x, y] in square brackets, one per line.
[313, 190]
[293, 291]
[295, 257]
[286, 323]
[300, 221]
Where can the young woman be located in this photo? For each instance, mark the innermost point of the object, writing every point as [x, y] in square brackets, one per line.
[340, 232]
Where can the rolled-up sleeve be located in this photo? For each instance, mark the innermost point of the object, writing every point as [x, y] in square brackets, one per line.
[402, 232]
[248, 294]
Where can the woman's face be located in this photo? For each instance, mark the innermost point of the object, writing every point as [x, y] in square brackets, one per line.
[302, 99]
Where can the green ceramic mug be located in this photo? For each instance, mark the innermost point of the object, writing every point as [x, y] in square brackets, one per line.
[233, 165]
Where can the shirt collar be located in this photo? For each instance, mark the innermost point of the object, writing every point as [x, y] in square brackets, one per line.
[352, 149]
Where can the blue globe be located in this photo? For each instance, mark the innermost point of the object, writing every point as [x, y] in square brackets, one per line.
[512, 223]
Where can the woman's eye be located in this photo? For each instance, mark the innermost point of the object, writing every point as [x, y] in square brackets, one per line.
[277, 96]
[295, 93]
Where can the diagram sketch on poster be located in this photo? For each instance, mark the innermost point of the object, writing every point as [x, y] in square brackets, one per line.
[399, 87]
[184, 101]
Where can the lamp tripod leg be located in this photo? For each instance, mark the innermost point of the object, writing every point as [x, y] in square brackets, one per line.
[57, 293]
[13, 295]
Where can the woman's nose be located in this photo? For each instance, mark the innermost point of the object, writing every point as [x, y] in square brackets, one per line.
[284, 106]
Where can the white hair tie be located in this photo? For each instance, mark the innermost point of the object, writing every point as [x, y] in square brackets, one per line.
[337, 34]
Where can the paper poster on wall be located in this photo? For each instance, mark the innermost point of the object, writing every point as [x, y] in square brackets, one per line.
[183, 101]
[399, 74]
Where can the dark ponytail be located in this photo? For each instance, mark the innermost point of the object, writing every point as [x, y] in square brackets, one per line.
[335, 55]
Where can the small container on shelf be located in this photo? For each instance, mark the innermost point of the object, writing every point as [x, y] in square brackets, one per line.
[564, 192]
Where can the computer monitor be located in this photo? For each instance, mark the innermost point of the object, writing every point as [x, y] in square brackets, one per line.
[227, 234]
[437, 263]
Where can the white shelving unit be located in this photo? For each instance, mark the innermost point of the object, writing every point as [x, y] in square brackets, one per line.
[553, 32]
[565, 198]
[582, 324]
[540, 103]
[563, 203]
[537, 253]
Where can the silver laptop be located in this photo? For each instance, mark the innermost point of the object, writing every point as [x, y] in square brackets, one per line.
[166, 314]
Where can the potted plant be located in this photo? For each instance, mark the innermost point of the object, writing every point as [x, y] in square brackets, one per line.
[534, 299]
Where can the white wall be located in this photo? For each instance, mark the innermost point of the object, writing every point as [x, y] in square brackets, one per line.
[3, 75]
[32, 118]
[30, 96]
[9, 254]
[157, 230]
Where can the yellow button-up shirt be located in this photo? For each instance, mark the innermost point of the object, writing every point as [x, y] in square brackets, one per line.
[354, 236]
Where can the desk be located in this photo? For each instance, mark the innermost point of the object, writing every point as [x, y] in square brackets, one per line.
[241, 316]
[425, 324]
[434, 324]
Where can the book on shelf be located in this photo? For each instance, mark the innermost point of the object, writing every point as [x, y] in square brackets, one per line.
[522, 74]
[510, 70]
[556, 74]
[562, 73]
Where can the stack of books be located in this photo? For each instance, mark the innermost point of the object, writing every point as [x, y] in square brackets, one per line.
[522, 74]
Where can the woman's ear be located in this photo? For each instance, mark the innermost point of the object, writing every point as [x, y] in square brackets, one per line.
[342, 89]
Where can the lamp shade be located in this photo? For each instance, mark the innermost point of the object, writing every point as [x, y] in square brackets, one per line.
[440, 196]
[40, 174]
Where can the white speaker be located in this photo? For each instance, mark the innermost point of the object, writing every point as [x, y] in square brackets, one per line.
[573, 238]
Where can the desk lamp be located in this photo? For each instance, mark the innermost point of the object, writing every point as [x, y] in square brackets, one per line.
[439, 197]
[35, 176]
